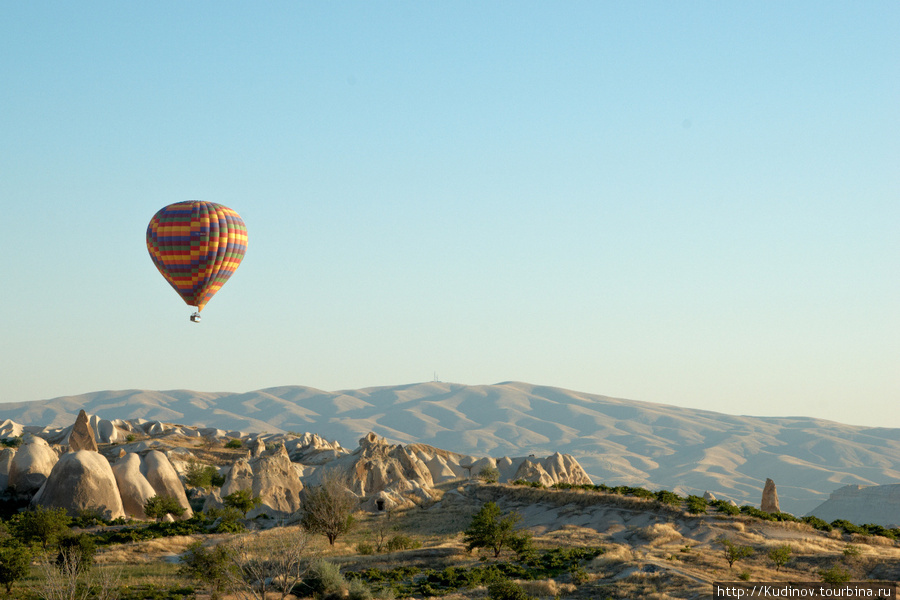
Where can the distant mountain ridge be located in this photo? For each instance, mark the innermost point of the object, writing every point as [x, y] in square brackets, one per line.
[618, 442]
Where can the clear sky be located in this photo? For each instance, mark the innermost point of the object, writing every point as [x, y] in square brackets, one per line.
[690, 203]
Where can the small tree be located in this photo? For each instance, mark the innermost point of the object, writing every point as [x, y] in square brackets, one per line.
[328, 507]
[15, 562]
[489, 474]
[203, 476]
[780, 555]
[242, 500]
[733, 552]
[158, 507]
[76, 552]
[211, 567]
[267, 564]
[41, 525]
[696, 505]
[836, 575]
[490, 529]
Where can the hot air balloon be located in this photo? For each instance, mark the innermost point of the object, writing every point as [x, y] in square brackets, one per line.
[196, 246]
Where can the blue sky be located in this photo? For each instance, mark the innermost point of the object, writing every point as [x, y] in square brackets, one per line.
[686, 203]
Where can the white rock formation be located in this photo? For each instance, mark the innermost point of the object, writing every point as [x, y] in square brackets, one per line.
[271, 477]
[81, 481]
[769, 501]
[31, 465]
[876, 504]
[134, 488]
[162, 476]
[6, 458]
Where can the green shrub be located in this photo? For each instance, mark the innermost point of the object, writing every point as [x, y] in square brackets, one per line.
[667, 497]
[696, 505]
[15, 563]
[504, 589]
[203, 476]
[158, 507]
[489, 475]
[725, 507]
[851, 551]
[402, 542]
[323, 578]
[835, 575]
[525, 482]
[357, 590]
[744, 576]
[780, 555]
[848, 527]
[42, 525]
[365, 548]
[234, 444]
[212, 567]
[11, 442]
[490, 529]
[76, 552]
[242, 500]
[817, 523]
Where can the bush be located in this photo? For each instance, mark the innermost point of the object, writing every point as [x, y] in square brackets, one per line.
[241, 500]
[323, 578]
[11, 442]
[211, 567]
[817, 523]
[15, 563]
[780, 555]
[696, 505]
[158, 507]
[402, 542]
[726, 507]
[328, 507]
[835, 575]
[667, 497]
[357, 590]
[41, 525]
[733, 552]
[203, 476]
[234, 444]
[489, 529]
[365, 548]
[489, 475]
[76, 552]
[504, 589]
[848, 527]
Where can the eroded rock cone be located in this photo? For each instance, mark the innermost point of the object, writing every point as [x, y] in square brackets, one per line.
[82, 435]
[81, 481]
[769, 502]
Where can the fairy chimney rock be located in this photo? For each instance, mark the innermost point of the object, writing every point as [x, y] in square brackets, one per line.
[82, 435]
[769, 502]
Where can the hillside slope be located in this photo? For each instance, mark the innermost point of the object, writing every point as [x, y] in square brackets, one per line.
[617, 441]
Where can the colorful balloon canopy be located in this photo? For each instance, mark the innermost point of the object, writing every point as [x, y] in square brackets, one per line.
[196, 246]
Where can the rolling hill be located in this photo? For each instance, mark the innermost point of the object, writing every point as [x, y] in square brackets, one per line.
[618, 442]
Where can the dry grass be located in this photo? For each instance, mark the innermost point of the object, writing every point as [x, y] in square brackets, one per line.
[660, 534]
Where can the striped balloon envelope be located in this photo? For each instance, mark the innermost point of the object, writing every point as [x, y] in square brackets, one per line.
[196, 246]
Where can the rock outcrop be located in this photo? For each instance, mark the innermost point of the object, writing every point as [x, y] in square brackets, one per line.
[157, 469]
[81, 437]
[877, 504]
[31, 465]
[81, 481]
[134, 488]
[6, 458]
[769, 502]
[271, 477]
